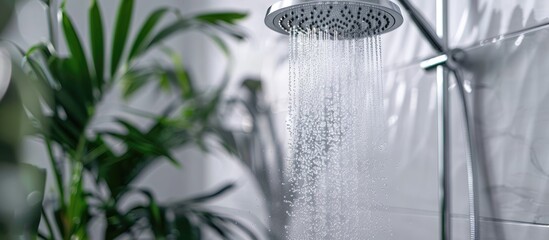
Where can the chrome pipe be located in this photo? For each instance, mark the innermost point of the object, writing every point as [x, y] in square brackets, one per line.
[472, 167]
[443, 78]
[444, 153]
[423, 25]
[438, 38]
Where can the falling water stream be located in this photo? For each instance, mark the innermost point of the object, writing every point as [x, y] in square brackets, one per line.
[338, 138]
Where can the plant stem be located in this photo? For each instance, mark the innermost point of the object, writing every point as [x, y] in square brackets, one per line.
[57, 172]
[77, 211]
[48, 224]
[51, 23]
[63, 3]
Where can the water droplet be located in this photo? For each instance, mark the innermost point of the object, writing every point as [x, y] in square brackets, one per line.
[338, 137]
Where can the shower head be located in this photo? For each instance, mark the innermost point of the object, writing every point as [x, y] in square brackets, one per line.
[341, 19]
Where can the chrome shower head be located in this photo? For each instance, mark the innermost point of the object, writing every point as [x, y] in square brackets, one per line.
[341, 19]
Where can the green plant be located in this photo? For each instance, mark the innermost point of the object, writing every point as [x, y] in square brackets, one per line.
[69, 89]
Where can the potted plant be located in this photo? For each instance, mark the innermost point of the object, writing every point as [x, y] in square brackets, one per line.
[65, 93]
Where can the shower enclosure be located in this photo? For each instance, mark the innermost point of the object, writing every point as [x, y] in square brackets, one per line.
[465, 141]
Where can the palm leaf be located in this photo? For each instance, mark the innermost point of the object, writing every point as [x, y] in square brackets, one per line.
[215, 224]
[97, 42]
[147, 144]
[168, 31]
[122, 27]
[77, 61]
[220, 43]
[226, 17]
[133, 80]
[181, 75]
[239, 225]
[186, 230]
[146, 30]
[144, 148]
[208, 196]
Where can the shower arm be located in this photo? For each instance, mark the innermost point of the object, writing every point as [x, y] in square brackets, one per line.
[446, 56]
[448, 60]
[428, 32]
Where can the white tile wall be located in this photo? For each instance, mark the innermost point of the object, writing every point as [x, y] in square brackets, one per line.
[476, 20]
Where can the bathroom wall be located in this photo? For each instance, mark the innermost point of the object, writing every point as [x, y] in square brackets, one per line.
[508, 91]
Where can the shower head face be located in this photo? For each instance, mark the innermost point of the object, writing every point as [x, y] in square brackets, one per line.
[340, 19]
